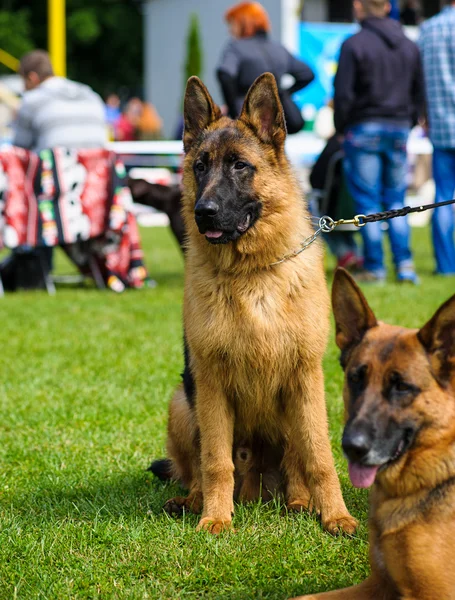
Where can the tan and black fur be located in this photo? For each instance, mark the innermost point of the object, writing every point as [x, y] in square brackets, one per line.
[255, 332]
[400, 422]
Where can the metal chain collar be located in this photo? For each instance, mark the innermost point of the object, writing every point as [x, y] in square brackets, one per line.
[325, 225]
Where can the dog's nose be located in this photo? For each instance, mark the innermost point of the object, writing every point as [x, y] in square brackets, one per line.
[206, 208]
[356, 442]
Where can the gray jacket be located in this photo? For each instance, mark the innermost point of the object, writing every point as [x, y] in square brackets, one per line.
[60, 112]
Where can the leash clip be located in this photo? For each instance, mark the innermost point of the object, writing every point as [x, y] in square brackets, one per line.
[327, 224]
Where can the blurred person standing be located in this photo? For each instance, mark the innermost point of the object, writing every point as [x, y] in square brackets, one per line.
[112, 108]
[127, 125]
[437, 47]
[329, 193]
[409, 15]
[56, 111]
[112, 113]
[250, 53]
[150, 123]
[378, 97]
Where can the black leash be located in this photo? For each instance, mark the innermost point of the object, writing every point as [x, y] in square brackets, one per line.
[360, 220]
[326, 224]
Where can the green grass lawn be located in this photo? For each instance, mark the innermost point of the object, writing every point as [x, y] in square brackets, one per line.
[86, 379]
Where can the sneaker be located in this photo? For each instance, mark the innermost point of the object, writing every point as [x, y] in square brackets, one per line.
[408, 276]
[370, 277]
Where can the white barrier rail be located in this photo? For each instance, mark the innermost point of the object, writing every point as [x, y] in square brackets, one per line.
[302, 149]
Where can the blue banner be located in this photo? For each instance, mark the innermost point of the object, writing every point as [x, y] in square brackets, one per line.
[319, 47]
[394, 10]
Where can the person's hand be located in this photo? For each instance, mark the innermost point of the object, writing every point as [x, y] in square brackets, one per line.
[423, 122]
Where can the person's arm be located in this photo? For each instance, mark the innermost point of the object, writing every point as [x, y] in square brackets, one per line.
[422, 116]
[24, 134]
[418, 99]
[344, 93]
[227, 73]
[229, 88]
[301, 72]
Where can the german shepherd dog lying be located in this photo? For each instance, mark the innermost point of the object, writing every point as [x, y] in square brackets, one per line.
[399, 398]
[253, 398]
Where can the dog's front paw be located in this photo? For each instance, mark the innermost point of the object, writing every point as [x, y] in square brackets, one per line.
[345, 524]
[214, 526]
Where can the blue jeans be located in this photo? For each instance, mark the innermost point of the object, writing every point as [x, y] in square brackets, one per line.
[375, 166]
[443, 220]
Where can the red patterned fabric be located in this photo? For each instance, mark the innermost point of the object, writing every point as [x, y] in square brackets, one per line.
[124, 259]
[74, 194]
[18, 205]
[67, 197]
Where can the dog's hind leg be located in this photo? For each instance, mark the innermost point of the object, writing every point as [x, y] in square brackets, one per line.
[183, 462]
[308, 459]
[191, 503]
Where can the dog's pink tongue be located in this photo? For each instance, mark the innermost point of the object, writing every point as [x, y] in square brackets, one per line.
[213, 234]
[362, 477]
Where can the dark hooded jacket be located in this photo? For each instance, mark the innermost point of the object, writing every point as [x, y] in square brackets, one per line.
[379, 77]
[245, 59]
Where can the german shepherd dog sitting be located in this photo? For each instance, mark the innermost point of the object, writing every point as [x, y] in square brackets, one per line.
[255, 330]
[399, 436]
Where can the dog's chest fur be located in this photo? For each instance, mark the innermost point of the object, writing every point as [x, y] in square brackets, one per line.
[247, 318]
[256, 330]
[402, 539]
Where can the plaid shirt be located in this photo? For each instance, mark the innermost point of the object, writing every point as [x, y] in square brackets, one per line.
[437, 47]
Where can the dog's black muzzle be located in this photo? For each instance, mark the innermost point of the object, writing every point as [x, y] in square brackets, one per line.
[357, 441]
[382, 443]
[223, 225]
[206, 209]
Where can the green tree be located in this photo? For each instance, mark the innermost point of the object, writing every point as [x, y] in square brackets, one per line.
[104, 39]
[193, 63]
[15, 35]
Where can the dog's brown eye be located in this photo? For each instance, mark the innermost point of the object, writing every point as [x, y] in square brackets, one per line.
[200, 166]
[357, 376]
[400, 386]
[239, 165]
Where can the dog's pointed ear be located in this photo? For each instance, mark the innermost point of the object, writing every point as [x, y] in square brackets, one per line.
[199, 111]
[438, 339]
[353, 316]
[262, 110]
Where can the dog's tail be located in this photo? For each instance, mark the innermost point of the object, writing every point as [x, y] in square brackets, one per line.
[162, 468]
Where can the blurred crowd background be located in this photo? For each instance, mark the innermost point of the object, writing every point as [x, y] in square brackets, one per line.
[135, 57]
[138, 54]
